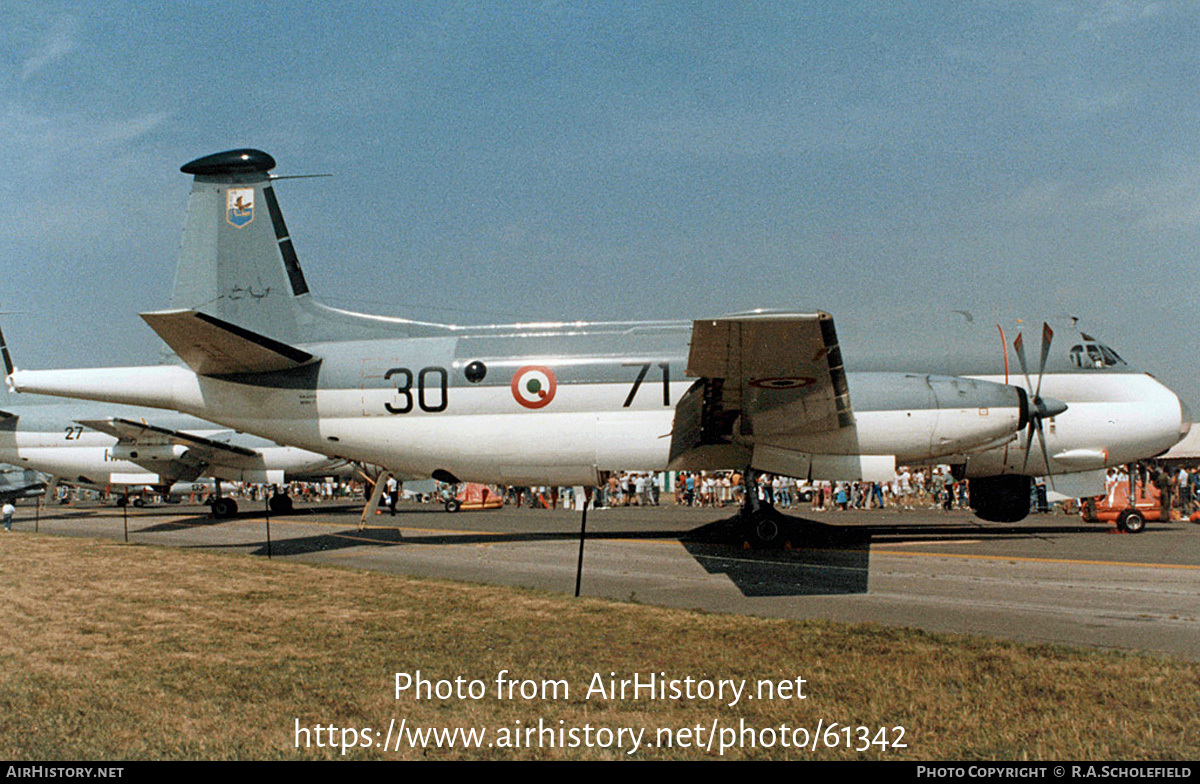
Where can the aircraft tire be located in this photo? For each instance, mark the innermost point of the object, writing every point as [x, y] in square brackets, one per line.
[453, 505]
[224, 507]
[766, 532]
[281, 503]
[1131, 522]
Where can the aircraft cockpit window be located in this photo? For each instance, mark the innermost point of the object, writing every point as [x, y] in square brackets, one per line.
[1094, 355]
[1110, 356]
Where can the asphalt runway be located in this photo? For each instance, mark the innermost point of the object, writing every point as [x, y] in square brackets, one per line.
[1049, 578]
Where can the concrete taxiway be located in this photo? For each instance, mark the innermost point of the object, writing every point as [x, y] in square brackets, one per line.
[1050, 578]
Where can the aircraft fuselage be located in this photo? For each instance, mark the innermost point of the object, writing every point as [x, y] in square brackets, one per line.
[558, 404]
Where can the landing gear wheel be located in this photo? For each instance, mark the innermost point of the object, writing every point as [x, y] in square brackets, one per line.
[453, 505]
[280, 503]
[766, 533]
[224, 507]
[1131, 522]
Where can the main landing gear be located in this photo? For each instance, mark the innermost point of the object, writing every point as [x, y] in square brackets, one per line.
[222, 507]
[758, 523]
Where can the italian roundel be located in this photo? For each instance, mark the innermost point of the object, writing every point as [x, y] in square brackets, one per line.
[534, 386]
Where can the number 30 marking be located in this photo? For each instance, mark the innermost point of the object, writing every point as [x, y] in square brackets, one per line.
[404, 389]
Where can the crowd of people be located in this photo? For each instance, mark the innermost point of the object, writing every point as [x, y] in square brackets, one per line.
[910, 488]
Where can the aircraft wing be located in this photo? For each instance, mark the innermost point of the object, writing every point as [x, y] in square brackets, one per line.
[772, 386]
[199, 448]
[782, 372]
[214, 347]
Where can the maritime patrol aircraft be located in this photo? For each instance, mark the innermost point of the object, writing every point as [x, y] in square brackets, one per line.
[110, 446]
[20, 483]
[565, 403]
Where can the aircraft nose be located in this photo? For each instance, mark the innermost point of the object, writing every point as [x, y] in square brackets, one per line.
[1185, 419]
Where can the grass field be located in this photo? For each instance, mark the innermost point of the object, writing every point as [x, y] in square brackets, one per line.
[113, 651]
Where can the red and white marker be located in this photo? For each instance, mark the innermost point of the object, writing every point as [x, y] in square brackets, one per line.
[534, 386]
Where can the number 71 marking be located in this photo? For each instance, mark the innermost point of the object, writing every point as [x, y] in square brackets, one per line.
[637, 382]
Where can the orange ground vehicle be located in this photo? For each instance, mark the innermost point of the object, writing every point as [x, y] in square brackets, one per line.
[474, 496]
[1115, 507]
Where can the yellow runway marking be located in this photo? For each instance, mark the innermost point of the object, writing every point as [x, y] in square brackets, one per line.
[919, 544]
[1077, 562]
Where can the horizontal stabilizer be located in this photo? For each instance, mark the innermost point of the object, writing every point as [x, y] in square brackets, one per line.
[140, 432]
[213, 347]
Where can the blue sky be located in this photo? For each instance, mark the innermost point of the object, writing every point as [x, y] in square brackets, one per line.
[886, 162]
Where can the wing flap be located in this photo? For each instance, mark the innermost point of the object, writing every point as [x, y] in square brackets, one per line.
[791, 462]
[213, 347]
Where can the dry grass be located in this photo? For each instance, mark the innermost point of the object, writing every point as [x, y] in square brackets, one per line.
[121, 652]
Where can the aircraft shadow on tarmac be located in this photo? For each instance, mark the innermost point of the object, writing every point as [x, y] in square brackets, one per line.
[822, 563]
[817, 558]
[354, 537]
[814, 560]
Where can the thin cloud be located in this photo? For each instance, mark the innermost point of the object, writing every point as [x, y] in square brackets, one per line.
[60, 40]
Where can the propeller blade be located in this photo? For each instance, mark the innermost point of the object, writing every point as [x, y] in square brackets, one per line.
[1039, 408]
[1047, 336]
[1045, 454]
[1004, 345]
[1019, 345]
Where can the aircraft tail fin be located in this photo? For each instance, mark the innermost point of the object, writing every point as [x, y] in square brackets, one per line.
[237, 261]
[9, 367]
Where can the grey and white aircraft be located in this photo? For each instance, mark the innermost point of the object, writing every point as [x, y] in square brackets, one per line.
[21, 483]
[101, 445]
[564, 403]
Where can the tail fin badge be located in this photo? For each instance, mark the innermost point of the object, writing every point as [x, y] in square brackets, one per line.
[239, 206]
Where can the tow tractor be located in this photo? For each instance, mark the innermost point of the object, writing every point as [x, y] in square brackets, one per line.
[1115, 507]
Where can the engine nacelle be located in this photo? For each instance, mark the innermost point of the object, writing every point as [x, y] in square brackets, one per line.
[1001, 499]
